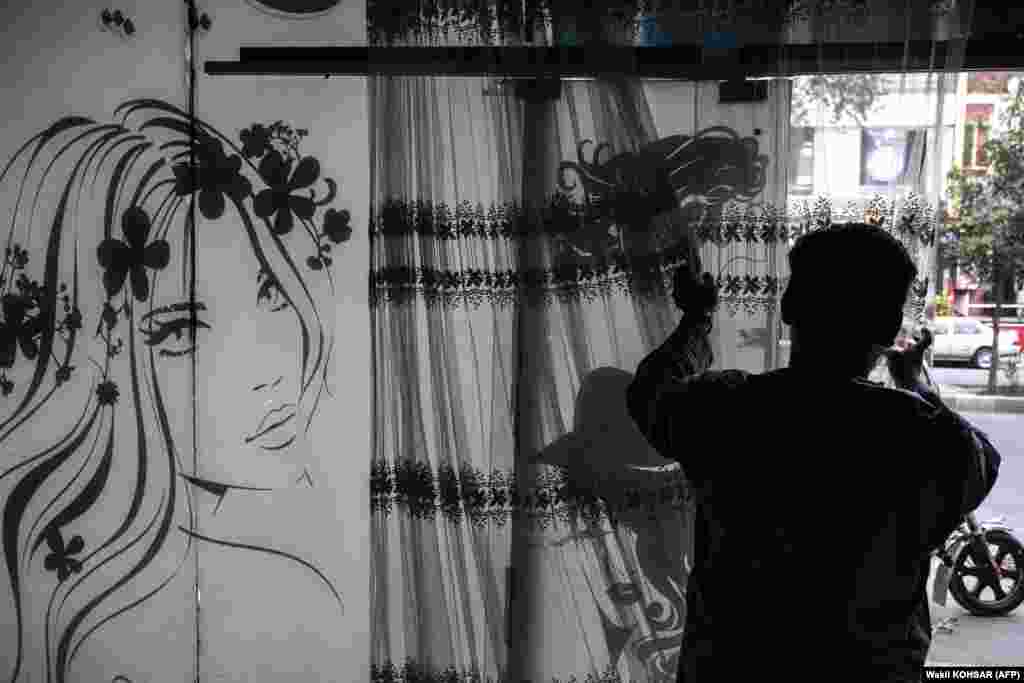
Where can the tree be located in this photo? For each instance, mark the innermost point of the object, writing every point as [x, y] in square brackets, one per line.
[853, 95]
[986, 217]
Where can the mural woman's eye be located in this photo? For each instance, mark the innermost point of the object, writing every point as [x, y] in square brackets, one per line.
[173, 328]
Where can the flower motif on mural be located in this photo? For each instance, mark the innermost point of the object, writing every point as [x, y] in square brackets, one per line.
[255, 140]
[132, 256]
[60, 558]
[107, 393]
[216, 175]
[336, 227]
[278, 200]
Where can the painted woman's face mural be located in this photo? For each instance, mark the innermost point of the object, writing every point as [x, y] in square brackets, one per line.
[272, 357]
[105, 308]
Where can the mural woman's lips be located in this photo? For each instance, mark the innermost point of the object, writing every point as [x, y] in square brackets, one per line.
[272, 432]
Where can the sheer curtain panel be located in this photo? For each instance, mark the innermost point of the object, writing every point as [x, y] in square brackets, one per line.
[523, 235]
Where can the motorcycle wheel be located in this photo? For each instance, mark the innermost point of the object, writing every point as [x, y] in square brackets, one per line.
[980, 598]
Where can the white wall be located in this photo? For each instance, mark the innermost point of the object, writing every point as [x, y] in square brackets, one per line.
[293, 631]
[264, 617]
[55, 61]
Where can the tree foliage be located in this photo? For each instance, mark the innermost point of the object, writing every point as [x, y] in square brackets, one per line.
[853, 95]
[985, 226]
[987, 217]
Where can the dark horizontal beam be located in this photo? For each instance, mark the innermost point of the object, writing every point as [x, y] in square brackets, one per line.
[684, 62]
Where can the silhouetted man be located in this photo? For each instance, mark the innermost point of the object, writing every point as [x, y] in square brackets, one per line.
[819, 493]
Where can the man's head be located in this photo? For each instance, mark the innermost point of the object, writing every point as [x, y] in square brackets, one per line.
[848, 286]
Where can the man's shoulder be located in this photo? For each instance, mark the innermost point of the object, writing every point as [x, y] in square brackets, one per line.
[869, 395]
[899, 399]
[721, 380]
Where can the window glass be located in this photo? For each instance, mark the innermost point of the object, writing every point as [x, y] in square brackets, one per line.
[977, 127]
[967, 327]
[886, 155]
[912, 82]
[801, 168]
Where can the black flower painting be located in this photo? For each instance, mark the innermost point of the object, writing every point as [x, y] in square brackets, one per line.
[278, 200]
[18, 330]
[336, 226]
[60, 558]
[255, 140]
[132, 256]
[107, 393]
[217, 175]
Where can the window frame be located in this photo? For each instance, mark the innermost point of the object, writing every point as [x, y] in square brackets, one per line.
[973, 325]
[977, 131]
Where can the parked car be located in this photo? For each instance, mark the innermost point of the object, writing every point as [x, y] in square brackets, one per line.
[1016, 327]
[967, 339]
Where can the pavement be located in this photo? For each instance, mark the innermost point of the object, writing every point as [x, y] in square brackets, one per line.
[960, 638]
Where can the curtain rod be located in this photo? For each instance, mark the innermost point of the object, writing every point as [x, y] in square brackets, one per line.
[685, 62]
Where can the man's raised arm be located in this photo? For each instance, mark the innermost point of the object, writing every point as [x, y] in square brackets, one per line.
[973, 460]
[665, 388]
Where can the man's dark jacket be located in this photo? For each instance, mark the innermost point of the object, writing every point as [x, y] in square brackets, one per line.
[819, 499]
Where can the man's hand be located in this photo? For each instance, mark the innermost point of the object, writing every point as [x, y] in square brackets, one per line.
[693, 294]
[906, 367]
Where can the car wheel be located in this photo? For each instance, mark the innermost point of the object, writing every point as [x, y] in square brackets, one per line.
[982, 358]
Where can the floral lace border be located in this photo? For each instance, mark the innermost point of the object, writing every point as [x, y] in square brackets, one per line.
[472, 288]
[411, 672]
[911, 219]
[748, 294]
[484, 498]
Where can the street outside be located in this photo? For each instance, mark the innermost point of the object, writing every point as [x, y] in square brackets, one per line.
[962, 375]
[988, 641]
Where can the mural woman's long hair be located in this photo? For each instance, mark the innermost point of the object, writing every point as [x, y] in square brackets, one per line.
[66, 411]
[643, 202]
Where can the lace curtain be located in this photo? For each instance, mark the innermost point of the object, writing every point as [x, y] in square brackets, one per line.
[492, 302]
[522, 239]
[510, 262]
